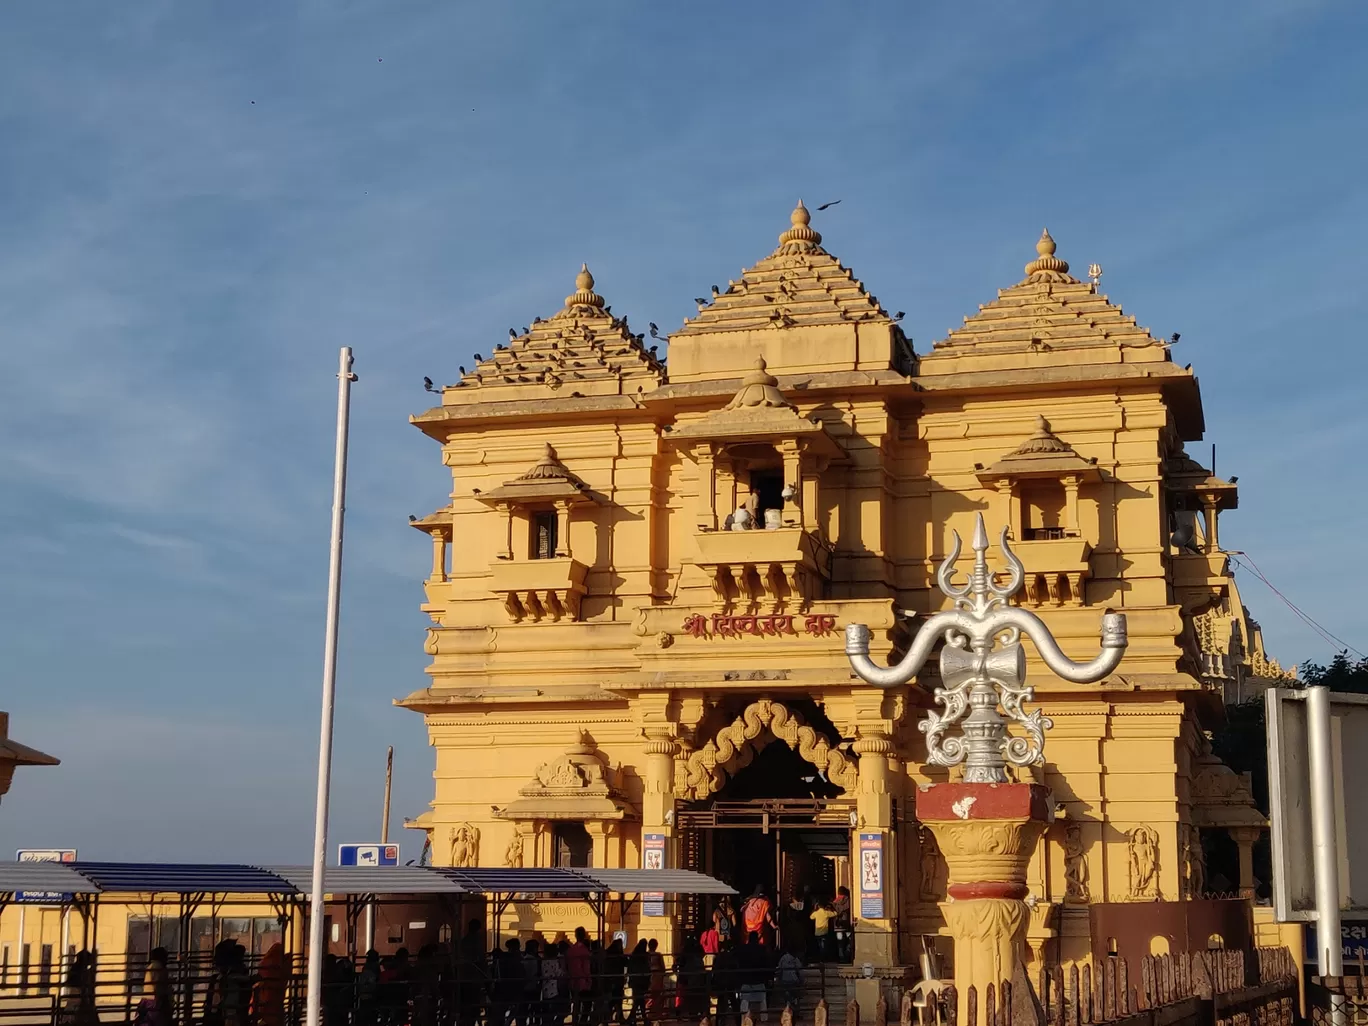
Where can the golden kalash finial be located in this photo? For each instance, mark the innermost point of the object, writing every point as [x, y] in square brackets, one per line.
[800, 238]
[584, 294]
[1047, 266]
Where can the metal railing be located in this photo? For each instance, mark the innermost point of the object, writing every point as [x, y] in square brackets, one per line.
[440, 991]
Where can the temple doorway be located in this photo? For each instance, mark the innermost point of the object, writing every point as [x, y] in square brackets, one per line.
[777, 824]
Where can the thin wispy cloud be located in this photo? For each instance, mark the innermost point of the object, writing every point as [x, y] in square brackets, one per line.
[199, 204]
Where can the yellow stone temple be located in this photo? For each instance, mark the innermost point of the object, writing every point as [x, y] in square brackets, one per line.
[638, 589]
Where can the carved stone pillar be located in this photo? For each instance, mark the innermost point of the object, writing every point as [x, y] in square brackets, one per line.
[1009, 512]
[1071, 485]
[987, 834]
[607, 840]
[657, 807]
[439, 547]
[793, 475]
[1213, 541]
[1246, 838]
[876, 938]
[507, 552]
[706, 508]
[562, 530]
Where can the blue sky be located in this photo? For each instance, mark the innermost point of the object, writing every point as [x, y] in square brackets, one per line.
[200, 202]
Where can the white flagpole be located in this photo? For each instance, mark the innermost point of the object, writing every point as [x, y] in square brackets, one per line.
[345, 377]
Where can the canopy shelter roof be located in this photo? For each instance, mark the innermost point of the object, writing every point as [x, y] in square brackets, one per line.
[370, 880]
[89, 878]
[50, 877]
[657, 881]
[490, 880]
[182, 878]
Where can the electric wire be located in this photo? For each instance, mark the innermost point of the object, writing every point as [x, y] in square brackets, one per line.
[1243, 560]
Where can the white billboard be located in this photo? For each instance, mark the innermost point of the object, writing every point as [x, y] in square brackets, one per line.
[1289, 789]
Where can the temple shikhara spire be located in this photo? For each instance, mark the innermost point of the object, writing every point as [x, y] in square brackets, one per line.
[652, 565]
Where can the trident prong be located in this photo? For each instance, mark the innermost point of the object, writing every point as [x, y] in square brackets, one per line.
[946, 572]
[1015, 575]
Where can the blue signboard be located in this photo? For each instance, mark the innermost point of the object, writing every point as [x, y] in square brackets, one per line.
[1353, 937]
[44, 855]
[368, 854]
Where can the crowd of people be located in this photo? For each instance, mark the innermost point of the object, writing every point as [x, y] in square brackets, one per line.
[745, 959]
[742, 960]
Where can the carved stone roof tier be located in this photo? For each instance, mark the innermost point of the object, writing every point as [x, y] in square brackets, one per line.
[582, 350]
[1183, 473]
[758, 411]
[1041, 455]
[547, 480]
[576, 786]
[1220, 796]
[15, 754]
[1045, 318]
[438, 518]
[798, 284]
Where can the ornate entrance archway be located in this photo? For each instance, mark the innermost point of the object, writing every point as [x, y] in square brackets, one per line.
[736, 744]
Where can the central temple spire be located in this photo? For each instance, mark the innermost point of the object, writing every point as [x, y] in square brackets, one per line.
[584, 298]
[1046, 266]
[800, 238]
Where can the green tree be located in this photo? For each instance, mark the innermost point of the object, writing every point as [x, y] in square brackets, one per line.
[1343, 674]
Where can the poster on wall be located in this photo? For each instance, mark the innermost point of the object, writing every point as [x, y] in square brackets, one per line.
[653, 857]
[871, 876]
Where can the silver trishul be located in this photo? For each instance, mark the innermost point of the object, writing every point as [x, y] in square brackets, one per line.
[983, 667]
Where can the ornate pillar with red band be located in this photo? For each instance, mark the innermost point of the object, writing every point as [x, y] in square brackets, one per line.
[986, 826]
[986, 832]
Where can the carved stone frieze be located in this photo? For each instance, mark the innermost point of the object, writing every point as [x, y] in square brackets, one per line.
[708, 767]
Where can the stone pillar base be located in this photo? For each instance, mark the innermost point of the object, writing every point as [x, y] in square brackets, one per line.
[987, 833]
[884, 981]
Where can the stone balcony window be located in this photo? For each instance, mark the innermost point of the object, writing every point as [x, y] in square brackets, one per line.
[536, 573]
[1038, 486]
[1195, 498]
[759, 478]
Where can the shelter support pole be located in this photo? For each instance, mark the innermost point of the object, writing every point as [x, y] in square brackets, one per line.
[987, 833]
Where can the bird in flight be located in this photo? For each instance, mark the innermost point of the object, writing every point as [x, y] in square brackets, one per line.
[427, 385]
[831, 204]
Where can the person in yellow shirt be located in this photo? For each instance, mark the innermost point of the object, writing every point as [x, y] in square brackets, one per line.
[822, 916]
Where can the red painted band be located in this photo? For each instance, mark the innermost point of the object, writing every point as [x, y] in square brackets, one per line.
[987, 889]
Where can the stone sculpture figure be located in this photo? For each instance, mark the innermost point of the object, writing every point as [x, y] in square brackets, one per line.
[1075, 865]
[930, 865]
[1194, 863]
[513, 854]
[465, 845]
[1144, 862]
